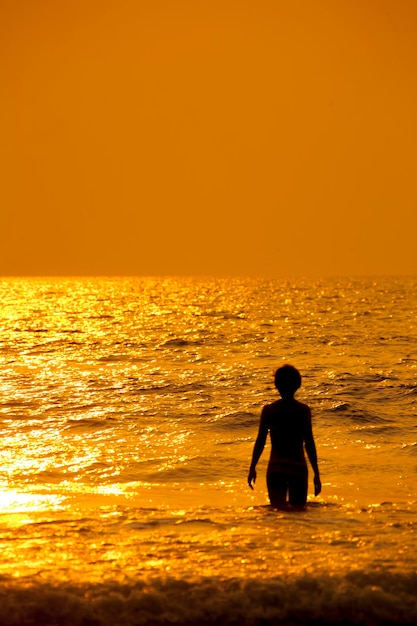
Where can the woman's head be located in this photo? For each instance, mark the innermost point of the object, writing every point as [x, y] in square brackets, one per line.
[287, 380]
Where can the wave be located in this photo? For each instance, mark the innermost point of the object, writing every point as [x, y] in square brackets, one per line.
[410, 390]
[195, 524]
[165, 389]
[357, 414]
[89, 423]
[208, 340]
[225, 315]
[377, 598]
[197, 469]
[238, 419]
[410, 448]
[181, 343]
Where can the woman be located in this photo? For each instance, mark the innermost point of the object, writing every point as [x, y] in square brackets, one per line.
[289, 424]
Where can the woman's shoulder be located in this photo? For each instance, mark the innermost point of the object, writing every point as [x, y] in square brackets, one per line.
[269, 411]
[293, 407]
[302, 406]
[272, 407]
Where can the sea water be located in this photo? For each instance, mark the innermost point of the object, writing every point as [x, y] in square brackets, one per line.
[128, 412]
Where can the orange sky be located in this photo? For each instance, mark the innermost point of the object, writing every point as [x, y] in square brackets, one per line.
[225, 137]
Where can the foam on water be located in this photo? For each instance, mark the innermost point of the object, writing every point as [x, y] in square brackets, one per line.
[356, 598]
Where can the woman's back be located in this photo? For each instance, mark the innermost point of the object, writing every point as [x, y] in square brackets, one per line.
[287, 421]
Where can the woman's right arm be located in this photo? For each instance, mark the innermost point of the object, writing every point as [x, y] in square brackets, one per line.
[258, 447]
[310, 446]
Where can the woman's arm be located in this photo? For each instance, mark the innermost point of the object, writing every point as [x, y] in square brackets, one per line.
[258, 448]
[310, 446]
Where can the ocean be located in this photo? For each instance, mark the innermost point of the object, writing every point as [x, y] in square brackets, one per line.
[128, 413]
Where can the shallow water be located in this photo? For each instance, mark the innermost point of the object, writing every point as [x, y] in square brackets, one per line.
[128, 412]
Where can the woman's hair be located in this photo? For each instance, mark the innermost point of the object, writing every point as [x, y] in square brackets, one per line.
[287, 380]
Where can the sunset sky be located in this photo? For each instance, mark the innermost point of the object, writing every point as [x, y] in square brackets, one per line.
[208, 137]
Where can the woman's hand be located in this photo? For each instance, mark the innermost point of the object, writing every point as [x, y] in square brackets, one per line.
[252, 477]
[317, 485]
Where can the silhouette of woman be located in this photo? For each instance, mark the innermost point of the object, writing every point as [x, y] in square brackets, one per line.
[289, 424]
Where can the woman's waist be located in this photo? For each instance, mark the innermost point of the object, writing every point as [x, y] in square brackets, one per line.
[283, 464]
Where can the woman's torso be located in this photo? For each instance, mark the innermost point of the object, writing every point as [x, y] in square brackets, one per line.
[287, 421]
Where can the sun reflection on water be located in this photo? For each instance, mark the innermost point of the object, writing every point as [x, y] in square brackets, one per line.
[12, 501]
[136, 401]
